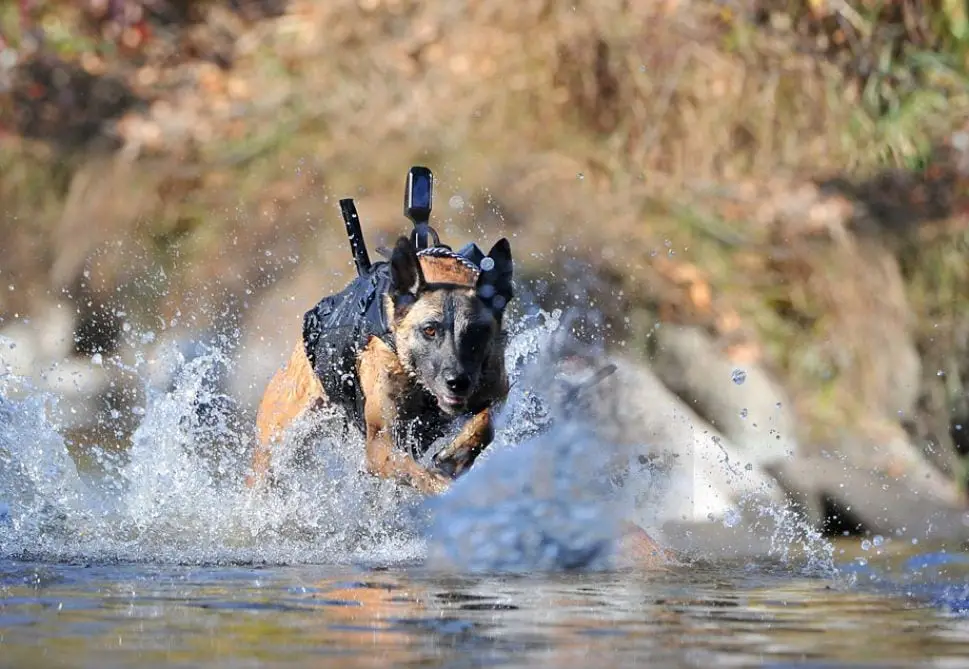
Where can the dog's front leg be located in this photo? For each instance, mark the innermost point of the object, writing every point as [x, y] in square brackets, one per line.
[293, 391]
[458, 456]
[386, 461]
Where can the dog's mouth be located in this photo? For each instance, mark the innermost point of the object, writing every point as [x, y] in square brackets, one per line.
[450, 402]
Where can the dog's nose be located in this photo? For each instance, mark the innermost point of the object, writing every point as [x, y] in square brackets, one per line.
[458, 383]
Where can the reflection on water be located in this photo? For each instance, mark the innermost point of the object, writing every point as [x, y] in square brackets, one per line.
[727, 615]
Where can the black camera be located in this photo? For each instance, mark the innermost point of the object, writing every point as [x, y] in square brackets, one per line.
[418, 199]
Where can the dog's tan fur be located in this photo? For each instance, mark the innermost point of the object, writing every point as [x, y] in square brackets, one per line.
[292, 392]
[389, 391]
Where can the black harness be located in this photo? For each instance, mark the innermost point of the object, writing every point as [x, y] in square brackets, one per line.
[340, 326]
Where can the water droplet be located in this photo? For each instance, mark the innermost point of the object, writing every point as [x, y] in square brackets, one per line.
[731, 518]
[138, 411]
[487, 264]
[738, 376]
[743, 413]
[580, 176]
[778, 405]
[126, 327]
[940, 373]
[878, 540]
[456, 202]
[96, 359]
[866, 545]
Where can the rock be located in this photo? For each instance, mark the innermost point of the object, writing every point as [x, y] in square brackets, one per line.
[875, 502]
[45, 337]
[693, 472]
[743, 402]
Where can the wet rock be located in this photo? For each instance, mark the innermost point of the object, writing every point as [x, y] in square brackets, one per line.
[45, 337]
[741, 401]
[859, 500]
[40, 350]
[680, 467]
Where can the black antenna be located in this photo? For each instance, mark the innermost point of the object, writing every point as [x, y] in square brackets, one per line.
[418, 198]
[359, 248]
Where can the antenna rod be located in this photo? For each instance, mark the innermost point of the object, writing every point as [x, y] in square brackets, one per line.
[357, 245]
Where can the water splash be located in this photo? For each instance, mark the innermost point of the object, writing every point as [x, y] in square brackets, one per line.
[544, 496]
[545, 505]
[176, 494]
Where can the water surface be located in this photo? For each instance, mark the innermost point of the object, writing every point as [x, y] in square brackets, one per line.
[712, 615]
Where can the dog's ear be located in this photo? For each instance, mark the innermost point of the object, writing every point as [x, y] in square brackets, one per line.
[406, 277]
[494, 282]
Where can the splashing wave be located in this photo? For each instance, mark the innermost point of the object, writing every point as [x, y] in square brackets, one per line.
[544, 496]
[176, 496]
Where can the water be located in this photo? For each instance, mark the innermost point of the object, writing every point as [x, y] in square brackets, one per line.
[156, 555]
[302, 616]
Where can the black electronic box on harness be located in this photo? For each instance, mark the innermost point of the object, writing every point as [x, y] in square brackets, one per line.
[418, 201]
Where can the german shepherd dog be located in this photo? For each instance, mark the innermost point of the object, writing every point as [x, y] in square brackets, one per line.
[410, 346]
[407, 348]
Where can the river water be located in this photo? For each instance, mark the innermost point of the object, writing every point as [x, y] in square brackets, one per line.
[720, 614]
[154, 555]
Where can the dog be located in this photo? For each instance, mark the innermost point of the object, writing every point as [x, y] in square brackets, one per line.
[406, 349]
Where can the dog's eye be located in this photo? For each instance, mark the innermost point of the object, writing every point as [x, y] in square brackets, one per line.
[430, 331]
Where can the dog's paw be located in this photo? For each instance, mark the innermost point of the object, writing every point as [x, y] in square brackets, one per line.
[437, 483]
[444, 466]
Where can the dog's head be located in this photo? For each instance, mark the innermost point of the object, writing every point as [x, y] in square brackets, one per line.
[448, 326]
